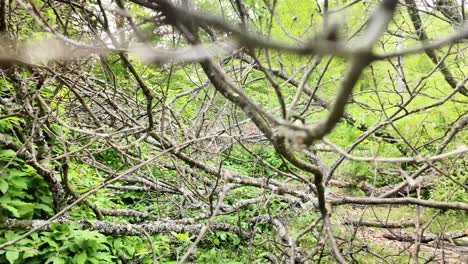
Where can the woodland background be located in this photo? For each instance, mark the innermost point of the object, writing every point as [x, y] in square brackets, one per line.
[241, 131]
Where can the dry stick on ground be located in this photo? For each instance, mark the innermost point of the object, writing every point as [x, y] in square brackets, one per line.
[379, 223]
[427, 237]
[401, 201]
[116, 228]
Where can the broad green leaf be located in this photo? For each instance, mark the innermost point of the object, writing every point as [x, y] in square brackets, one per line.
[30, 253]
[12, 210]
[23, 209]
[130, 251]
[6, 154]
[81, 258]
[3, 186]
[118, 243]
[19, 182]
[12, 256]
[44, 207]
[222, 235]
[56, 260]
[182, 236]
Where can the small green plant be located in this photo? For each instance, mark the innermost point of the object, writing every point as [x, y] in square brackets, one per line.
[62, 244]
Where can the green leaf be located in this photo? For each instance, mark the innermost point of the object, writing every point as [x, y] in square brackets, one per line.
[30, 253]
[222, 236]
[22, 208]
[182, 237]
[3, 186]
[235, 239]
[5, 199]
[130, 251]
[118, 243]
[6, 154]
[12, 256]
[34, 236]
[50, 242]
[45, 208]
[12, 210]
[58, 260]
[20, 182]
[81, 258]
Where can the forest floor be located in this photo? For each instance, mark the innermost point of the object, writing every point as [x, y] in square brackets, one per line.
[394, 251]
[444, 253]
